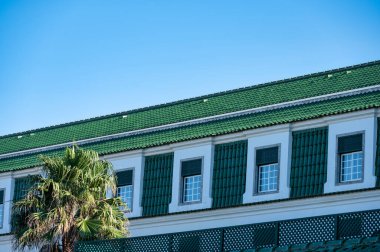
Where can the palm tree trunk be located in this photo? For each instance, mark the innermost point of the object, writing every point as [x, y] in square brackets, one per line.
[67, 244]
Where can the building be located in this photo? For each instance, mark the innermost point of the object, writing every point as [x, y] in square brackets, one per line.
[295, 161]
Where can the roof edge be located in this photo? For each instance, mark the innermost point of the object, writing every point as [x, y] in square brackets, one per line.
[370, 63]
[316, 99]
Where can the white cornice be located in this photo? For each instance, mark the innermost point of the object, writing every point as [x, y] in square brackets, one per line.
[258, 213]
[21, 173]
[202, 120]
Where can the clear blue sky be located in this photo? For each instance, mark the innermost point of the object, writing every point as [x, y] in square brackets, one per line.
[62, 61]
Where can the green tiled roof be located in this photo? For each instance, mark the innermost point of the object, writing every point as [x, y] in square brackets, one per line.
[236, 100]
[252, 121]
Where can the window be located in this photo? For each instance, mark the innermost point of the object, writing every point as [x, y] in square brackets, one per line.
[125, 187]
[192, 180]
[268, 175]
[267, 164]
[1, 207]
[350, 156]
[125, 193]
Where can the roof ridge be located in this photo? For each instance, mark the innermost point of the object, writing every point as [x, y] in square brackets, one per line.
[162, 105]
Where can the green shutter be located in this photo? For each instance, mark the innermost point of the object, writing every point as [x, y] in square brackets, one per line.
[191, 167]
[309, 162]
[230, 164]
[157, 187]
[124, 178]
[22, 185]
[378, 154]
[1, 197]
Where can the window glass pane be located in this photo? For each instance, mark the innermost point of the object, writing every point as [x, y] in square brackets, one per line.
[126, 194]
[351, 165]
[192, 188]
[268, 177]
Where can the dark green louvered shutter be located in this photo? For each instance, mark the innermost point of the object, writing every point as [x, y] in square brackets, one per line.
[350, 143]
[378, 154]
[1, 197]
[157, 187]
[230, 164]
[267, 156]
[309, 162]
[124, 178]
[191, 167]
[21, 188]
[22, 185]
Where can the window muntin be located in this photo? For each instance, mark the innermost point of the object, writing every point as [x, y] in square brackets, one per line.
[268, 178]
[192, 188]
[351, 166]
[126, 194]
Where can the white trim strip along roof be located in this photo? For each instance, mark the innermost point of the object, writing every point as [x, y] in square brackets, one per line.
[201, 120]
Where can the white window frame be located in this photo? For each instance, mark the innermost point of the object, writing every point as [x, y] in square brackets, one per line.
[341, 175]
[358, 123]
[273, 136]
[129, 206]
[204, 150]
[133, 161]
[192, 189]
[259, 178]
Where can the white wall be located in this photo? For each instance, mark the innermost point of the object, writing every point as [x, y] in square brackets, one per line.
[280, 139]
[205, 151]
[366, 126]
[6, 185]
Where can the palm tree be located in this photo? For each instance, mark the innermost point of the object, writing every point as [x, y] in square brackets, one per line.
[68, 203]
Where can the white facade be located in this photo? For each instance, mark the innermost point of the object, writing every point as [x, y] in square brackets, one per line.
[281, 136]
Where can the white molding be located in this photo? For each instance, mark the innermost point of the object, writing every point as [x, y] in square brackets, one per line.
[244, 135]
[367, 127]
[205, 152]
[22, 173]
[136, 163]
[259, 213]
[309, 100]
[326, 120]
[281, 139]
